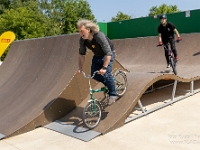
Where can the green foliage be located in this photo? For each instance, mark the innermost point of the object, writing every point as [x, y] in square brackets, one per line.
[40, 18]
[56, 16]
[120, 16]
[24, 22]
[163, 9]
[66, 13]
[73, 12]
[4, 4]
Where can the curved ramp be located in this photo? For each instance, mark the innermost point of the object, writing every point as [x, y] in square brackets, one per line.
[36, 74]
[147, 65]
[39, 83]
[141, 55]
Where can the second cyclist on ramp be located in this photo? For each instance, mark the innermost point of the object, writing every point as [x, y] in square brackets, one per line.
[166, 32]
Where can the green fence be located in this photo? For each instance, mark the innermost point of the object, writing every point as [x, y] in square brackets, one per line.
[147, 26]
[103, 27]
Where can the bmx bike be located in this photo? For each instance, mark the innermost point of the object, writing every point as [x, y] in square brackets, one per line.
[172, 61]
[93, 110]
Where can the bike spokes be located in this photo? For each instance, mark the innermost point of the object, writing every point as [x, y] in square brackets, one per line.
[91, 114]
[120, 83]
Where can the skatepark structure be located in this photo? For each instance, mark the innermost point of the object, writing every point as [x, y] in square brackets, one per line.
[40, 85]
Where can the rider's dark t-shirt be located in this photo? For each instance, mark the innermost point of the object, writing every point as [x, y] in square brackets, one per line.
[100, 45]
[167, 32]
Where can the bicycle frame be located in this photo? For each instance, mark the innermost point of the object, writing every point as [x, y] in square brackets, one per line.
[169, 50]
[92, 112]
[102, 89]
[171, 59]
[92, 91]
[170, 53]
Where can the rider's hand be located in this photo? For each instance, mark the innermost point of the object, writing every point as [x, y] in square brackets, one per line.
[178, 39]
[160, 44]
[79, 71]
[102, 71]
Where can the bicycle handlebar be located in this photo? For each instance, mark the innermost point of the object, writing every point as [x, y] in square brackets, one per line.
[168, 43]
[89, 76]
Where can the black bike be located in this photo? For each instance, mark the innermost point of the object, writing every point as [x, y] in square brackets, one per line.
[172, 60]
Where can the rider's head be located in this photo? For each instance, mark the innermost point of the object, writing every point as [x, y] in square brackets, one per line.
[163, 19]
[87, 28]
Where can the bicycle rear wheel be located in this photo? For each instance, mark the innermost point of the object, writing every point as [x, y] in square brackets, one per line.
[120, 82]
[92, 114]
[173, 65]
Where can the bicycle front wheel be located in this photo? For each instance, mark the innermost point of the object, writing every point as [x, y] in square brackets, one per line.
[92, 114]
[173, 65]
[120, 82]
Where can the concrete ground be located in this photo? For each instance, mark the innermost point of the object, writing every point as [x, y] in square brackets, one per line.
[174, 127]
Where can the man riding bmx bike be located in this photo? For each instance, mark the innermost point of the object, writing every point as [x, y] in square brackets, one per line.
[102, 48]
[166, 35]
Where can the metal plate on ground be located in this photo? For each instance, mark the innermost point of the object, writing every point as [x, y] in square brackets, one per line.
[72, 130]
[1, 136]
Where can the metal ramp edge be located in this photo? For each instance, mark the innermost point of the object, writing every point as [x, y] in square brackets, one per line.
[81, 133]
[1, 136]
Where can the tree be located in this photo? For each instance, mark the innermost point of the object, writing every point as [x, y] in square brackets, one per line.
[24, 22]
[23, 19]
[74, 11]
[163, 9]
[121, 16]
[4, 4]
[62, 15]
[66, 13]
[7, 4]
[40, 18]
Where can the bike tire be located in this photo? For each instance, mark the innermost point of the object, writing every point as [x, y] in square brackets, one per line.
[173, 65]
[92, 115]
[120, 82]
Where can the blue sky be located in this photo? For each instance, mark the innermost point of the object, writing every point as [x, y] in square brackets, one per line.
[104, 10]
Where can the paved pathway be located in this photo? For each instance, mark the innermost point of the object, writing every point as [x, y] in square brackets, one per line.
[173, 127]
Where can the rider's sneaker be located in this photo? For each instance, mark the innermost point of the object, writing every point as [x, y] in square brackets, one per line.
[112, 100]
[168, 65]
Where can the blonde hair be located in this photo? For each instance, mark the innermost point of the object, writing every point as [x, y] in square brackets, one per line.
[88, 24]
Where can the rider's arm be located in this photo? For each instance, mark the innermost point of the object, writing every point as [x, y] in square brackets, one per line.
[173, 27]
[177, 33]
[159, 38]
[81, 61]
[82, 52]
[102, 40]
[106, 61]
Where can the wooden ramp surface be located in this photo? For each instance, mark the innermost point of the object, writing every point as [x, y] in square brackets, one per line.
[39, 83]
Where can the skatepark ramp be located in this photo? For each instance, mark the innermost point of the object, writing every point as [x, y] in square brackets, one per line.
[146, 66]
[39, 83]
